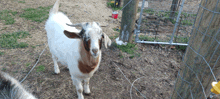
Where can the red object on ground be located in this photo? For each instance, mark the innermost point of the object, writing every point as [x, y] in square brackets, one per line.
[114, 14]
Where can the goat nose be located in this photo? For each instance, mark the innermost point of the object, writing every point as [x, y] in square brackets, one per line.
[94, 51]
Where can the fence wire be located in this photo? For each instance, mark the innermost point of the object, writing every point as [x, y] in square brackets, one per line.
[165, 22]
[201, 61]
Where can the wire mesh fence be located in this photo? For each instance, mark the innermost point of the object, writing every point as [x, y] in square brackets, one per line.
[166, 21]
[201, 61]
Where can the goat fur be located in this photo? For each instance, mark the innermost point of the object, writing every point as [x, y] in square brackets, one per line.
[10, 88]
[71, 52]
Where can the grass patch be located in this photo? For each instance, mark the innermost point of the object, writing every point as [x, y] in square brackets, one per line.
[186, 22]
[115, 29]
[146, 38]
[21, 1]
[181, 40]
[114, 37]
[9, 40]
[8, 16]
[13, 63]
[129, 48]
[149, 11]
[38, 15]
[40, 68]
[27, 64]
[1, 53]
[4, 69]
[33, 46]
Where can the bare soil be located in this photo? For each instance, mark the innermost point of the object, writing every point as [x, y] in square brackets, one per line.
[153, 68]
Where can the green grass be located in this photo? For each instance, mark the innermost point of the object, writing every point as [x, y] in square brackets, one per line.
[27, 64]
[21, 1]
[13, 63]
[4, 69]
[120, 55]
[114, 37]
[7, 16]
[149, 11]
[1, 53]
[146, 38]
[186, 22]
[9, 40]
[33, 46]
[129, 48]
[39, 14]
[181, 40]
[40, 68]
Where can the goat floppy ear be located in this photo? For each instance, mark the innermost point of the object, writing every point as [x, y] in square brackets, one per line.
[71, 34]
[107, 40]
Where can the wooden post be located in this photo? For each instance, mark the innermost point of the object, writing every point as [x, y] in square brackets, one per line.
[173, 8]
[128, 20]
[201, 60]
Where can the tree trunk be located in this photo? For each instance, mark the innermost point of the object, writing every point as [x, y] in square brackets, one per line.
[173, 8]
[128, 20]
[202, 55]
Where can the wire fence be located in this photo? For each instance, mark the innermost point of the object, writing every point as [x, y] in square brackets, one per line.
[166, 22]
[201, 61]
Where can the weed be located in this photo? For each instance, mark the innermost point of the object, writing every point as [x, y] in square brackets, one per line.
[127, 48]
[31, 54]
[115, 29]
[146, 38]
[21, 1]
[9, 40]
[114, 37]
[40, 68]
[182, 40]
[4, 69]
[2, 53]
[13, 63]
[120, 55]
[138, 54]
[8, 16]
[132, 56]
[186, 22]
[15, 71]
[23, 45]
[28, 64]
[149, 11]
[3, 28]
[33, 46]
[38, 15]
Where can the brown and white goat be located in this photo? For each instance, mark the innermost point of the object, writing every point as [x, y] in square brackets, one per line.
[10, 88]
[80, 50]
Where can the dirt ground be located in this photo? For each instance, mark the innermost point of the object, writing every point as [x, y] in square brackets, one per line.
[153, 69]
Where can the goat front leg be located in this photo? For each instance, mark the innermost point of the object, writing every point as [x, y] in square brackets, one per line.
[56, 67]
[79, 87]
[86, 86]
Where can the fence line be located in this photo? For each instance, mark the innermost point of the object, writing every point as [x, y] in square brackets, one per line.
[200, 63]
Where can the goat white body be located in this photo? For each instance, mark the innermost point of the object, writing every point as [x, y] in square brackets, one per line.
[10, 88]
[65, 50]
[68, 51]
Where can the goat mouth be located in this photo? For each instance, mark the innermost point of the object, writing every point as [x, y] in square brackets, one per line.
[95, 55]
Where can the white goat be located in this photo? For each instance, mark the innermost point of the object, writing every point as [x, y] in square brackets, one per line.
[81, 53]
[10, 88]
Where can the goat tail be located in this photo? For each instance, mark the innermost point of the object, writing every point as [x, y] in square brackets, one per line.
[55, 8]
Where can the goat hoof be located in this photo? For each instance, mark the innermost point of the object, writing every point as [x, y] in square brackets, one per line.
[55, 73]
[86, 94]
